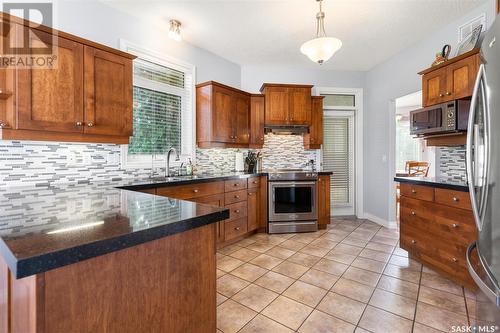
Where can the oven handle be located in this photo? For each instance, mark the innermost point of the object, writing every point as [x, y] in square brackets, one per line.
[292, 184]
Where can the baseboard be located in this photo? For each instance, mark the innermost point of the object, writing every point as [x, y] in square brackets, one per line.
[381, 221]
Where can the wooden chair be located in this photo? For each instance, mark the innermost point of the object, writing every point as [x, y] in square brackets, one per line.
[414, 168]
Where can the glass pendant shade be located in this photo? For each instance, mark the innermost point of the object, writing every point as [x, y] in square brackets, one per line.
[321, 49]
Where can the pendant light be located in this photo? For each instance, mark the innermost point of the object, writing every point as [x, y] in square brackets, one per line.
[175, 30]
[321, 48]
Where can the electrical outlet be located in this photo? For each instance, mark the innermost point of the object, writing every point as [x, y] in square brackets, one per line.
[71, 159]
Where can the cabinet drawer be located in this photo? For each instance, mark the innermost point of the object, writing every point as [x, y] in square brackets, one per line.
[213, 200]
[235, 185]
[192, 190]
[253, 182]
[456, 199]
[237, 210]
[417, 192]
[236, 196]
[235, 228]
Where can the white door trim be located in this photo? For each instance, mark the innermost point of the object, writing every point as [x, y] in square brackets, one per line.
[358, 158]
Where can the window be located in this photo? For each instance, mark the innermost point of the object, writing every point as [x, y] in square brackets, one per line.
[163, 109]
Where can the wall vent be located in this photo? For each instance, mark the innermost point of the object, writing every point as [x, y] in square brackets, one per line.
[465, 29]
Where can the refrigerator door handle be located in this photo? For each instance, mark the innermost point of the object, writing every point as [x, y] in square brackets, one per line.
[468, 155]
[494, 296]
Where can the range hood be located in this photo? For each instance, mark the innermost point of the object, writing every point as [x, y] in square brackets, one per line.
[286, 129]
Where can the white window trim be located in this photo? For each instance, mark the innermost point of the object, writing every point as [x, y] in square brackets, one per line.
[358, 156]
[163, 60]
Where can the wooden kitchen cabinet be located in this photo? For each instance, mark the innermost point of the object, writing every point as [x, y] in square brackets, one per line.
[324, 198]
[314, 139]
[253, 208]
[436, 226]
[108, 93]
[222, 116]
[257, 109]
[85, 97]
[287, 104]
[451, 80]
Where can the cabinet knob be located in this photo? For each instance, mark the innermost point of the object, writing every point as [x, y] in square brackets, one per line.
[262, 138]
[413, 213]
[454, 225]
[454, 259]
[250, 193]
[448, 93]
[413, 191]
[196, 190]
[236, 196]
[255, 182]
[3, 124]
[237, 228]
[237, 211]
[236, 184]
[455, 199]
[90, 124]
[79, 123]
[413, 241]
[441, 95]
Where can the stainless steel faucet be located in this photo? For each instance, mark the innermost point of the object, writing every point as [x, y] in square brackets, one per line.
[167, 163]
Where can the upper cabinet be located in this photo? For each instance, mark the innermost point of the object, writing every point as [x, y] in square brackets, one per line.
[314, 139]
[86, 96]
[287, 104]
[451, 80]
[222, 116]
[257, 114]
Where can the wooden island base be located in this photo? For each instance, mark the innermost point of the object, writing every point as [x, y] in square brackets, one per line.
[166, 285]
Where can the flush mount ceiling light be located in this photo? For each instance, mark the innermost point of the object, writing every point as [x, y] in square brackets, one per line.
[321, 48]
[175, 30]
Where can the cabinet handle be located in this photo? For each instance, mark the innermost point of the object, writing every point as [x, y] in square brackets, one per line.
[413, 191]
[456, 199]
[413, 213]
[236, 196]
[236, 184]
[448, 93]
[454, 225]
[413, 241]
[3, 124]
[196, 190]
[237, 228]
[237, 211]
[79, 123]
[454, 259]
[255, 182]
[90, 125]
[441, 95]
[250, 193]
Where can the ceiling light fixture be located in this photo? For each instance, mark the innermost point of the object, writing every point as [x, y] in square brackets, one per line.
[175, 30]
[321, 48]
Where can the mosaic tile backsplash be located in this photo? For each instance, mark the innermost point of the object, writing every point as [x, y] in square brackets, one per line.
[40, 163]
[452, 163]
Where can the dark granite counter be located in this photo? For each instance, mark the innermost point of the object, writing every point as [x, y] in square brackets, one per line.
[434, 182]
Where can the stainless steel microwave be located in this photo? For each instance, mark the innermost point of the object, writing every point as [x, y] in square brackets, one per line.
[442, 118]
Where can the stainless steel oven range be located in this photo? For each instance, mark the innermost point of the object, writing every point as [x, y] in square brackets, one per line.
[292, 201]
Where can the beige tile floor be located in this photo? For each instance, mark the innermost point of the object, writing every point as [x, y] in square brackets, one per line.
[351, 277]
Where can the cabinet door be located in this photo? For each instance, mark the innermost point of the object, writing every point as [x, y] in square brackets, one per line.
[323, 201]
[253, 208]
[256, 121]
[214, 200]
[52, 99]
[108, 93]
[433, 87]
[314, 139]
[277, 101]
[222, 115]
[7, 83]
[263, 219]
[461, 77]
[300, 106]
[241, 118]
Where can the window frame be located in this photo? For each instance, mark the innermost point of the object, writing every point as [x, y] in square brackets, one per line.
[188, 126]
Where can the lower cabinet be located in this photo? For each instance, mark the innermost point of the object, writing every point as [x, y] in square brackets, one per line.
[246, 200]
[436, 226]
[323, 195]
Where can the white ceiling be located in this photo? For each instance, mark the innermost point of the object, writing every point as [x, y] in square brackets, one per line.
[270, 32]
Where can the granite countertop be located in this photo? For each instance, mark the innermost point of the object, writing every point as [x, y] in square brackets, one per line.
[435, 182]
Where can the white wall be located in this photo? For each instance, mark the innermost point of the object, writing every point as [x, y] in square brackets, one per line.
[252, 77]
[98, 22]
[394, 78]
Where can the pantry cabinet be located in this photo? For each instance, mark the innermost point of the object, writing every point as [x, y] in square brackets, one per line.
[287, 104]
[83, 95]
[314, 138]
[451, 80]
[222, 116]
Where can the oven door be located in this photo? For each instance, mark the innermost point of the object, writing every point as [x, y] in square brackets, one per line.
[292, 201]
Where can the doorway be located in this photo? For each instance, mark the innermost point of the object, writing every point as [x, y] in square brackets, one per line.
[338, 153]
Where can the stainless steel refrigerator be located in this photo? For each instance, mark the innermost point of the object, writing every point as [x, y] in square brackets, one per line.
[483, 173]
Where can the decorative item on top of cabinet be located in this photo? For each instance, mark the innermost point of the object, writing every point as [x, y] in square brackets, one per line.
[324, 198]
[453, 79]
[287, 104]
[314, 139]
[222, 116]
[257, 103]
[78, 100]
